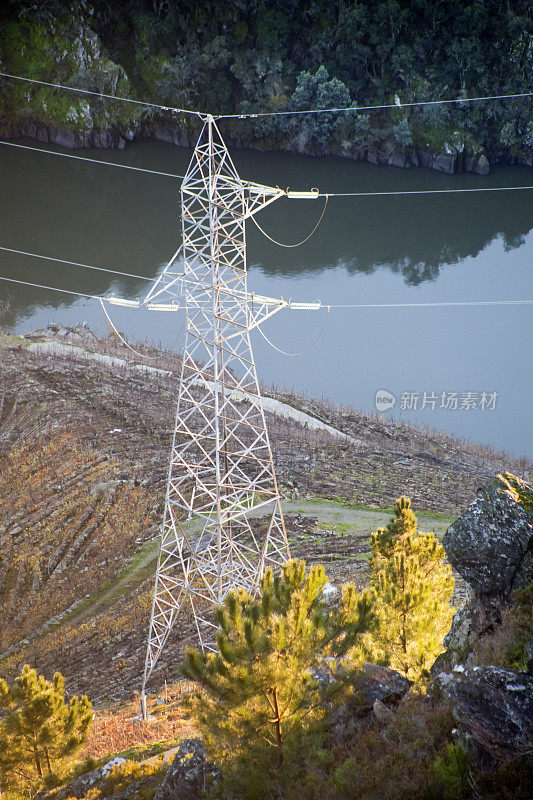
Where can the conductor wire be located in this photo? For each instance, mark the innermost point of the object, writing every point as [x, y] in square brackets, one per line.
[101, 94]
[122, 339]
[75, 264]
[91, 160]
[303, 352]
[356, 109]
[298, 244]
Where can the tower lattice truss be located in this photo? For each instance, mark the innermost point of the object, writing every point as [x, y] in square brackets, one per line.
[221, 464]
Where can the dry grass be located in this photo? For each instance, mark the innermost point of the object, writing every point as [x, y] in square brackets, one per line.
[116, 731]
[66, 525]
[507, 645]
[392, 761]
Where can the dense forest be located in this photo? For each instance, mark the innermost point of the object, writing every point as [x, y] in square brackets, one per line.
[248, 55]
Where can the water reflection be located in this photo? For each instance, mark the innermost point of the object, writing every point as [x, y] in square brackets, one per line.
[412, 236]
[431, 248]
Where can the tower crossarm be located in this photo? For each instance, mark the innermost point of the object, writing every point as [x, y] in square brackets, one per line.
[257, 196]
[261, 306]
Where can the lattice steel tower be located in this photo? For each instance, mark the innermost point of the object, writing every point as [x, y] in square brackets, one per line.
[221, 464]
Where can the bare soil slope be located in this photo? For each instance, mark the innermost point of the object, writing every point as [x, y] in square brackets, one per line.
[85, 430]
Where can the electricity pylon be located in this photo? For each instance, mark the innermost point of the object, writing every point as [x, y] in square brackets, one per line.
[221, 464]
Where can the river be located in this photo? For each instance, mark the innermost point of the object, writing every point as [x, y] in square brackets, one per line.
[462, 369]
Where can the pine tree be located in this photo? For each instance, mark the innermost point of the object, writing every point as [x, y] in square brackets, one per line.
[260, 690]
[38, 726]
[413, 586]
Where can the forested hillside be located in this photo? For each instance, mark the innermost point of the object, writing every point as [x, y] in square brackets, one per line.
[251, 56]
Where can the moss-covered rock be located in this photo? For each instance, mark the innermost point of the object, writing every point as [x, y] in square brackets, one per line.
[491, 544]
[64, 51]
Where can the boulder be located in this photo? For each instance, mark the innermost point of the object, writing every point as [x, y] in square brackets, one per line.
[478, 616]
[491, 547]
[65, 139]
[492, 709]
[445, 163]
[78, 788]
[102, 139]
[397, 160]
[188, 774]
[482, 166]
[373, 683]
[375, 691]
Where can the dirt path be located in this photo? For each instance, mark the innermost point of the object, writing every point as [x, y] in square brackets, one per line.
[270, 404]
[360, 520]
[335, 518]
[167, 755]
[332, 518]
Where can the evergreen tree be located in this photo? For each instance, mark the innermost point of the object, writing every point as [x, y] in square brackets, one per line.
[319, 91]
[38, 726]
[261, 692]
[413, 586]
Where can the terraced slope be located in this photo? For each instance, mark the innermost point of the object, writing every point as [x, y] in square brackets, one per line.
[84, 440]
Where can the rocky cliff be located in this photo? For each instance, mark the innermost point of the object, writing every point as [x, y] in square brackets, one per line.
[113, 51]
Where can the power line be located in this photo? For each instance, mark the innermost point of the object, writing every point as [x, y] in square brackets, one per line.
[383, 194]
[120, 336]
[49, 288]
[91, 160]
[321, 194]
[76, 264]
[425, 191]
[438, 305]
[271, 113]
[297, 244]
[307, 349]
[323, 305]
[101, 94]
[374, 108]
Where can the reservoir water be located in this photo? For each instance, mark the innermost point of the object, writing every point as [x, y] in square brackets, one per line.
[466, 370]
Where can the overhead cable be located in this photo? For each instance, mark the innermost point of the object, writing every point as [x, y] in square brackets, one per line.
[357, 109]
[426, 191]
[311, 306]
[91, 160]
[120, 336]
[101, 94]
[297, 244]
[123, 340]
[49, 288]
[303, 352]
[251, 115]
[437, 305]
[76, 264]
[320, 194]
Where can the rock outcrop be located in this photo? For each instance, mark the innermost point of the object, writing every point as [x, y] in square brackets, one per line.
[490, 544]
[189, 773]
[491, 547]
[493, 711]
[376, 690]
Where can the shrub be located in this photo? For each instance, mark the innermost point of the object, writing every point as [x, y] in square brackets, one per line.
[413, 585]
[38, 726]
[263, 700]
